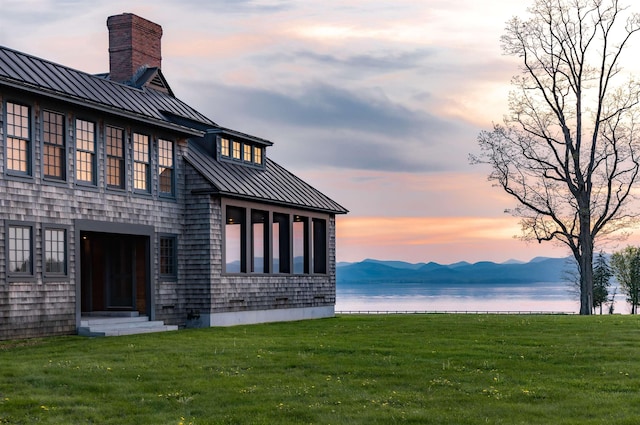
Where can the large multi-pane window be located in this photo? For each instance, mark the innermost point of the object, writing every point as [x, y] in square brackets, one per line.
[262, 241]
[85, 151]
[168, 256]
[141, 159]
[115, 157]
[166, 167]
[18, 138]
[247, 153]
[53, 157]
[20, 249]
[55, 252]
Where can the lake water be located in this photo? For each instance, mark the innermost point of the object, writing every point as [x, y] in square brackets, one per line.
[539, 297]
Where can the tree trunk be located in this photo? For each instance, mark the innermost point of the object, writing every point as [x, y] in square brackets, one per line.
[585, 263]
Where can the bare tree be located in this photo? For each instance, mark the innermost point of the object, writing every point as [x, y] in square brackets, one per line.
[568, 150]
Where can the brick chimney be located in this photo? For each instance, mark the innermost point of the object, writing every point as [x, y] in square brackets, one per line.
[133, 42]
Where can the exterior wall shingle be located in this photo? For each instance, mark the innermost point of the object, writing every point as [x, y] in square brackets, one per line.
[34, 305]
[40, 306]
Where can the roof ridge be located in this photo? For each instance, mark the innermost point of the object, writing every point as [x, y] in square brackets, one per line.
[68, 68]
[31, 73]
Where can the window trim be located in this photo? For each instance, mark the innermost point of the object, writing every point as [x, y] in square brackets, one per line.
[20, 276]
[235, 151]
[260, 216]
[225, 148]
[172, 193]
[254, 156]
[174, 238]
[123, 159]
[134, 161]
[94, 158]
[29, 140]
[246, 154]
[63, 148]
[55, 275]
[242, 238]
[309, 268]
[319, 248]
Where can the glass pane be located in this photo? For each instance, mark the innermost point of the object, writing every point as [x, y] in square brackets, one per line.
[233, 250]
[235, 247]
[275, 234]
[298, 247]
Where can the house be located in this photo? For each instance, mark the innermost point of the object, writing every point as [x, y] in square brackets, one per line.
[119, 199]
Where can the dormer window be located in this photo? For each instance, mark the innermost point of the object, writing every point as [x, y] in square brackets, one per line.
[257, 155]
[224, 147]
[242, 151]
[236, 150]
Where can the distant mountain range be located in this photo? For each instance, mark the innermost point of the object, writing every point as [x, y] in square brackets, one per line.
[540, 269]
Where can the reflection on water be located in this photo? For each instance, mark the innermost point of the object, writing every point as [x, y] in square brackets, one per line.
[539, 297]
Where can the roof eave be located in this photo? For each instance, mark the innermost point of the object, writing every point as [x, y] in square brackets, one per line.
[100, 107]
[237, 134]
[231, 195]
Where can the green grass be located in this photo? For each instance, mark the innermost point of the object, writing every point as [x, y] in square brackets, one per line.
[413, 369]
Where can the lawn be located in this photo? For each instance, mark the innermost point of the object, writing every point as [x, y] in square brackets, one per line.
[377, 369]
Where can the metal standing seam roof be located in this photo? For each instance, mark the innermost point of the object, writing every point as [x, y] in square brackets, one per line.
[30, 73]
[273, 184]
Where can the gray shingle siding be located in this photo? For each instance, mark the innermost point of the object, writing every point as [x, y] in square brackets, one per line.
[217, 292]
[40, 306]
[129, 224]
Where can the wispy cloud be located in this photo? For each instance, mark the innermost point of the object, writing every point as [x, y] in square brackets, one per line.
[376, 103]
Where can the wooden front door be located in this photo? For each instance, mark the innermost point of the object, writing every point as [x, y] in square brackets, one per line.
[120, 279]
[114, 272]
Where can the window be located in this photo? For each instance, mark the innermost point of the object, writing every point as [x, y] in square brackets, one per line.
[20, 250]
[18, 138]
[235, 245]
[55, 252]
[280, 246]
[115, 157]
[300, 245]
[263, 241]
[241, 151]
[236, 150]
[54, 155]
[319, 245]
[224, 147]
[85, 151]
[141, 163]
[247, 153]
[257, 155]
[165, 167]
[260, 240]
[168, 256]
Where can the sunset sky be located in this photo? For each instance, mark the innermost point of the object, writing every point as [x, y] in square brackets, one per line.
[376, 103]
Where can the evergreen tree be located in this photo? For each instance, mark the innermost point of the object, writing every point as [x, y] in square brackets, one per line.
[602, 275]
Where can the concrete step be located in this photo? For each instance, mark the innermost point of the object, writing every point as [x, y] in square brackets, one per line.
[120, 332]
[115, 326]
[101, 320]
